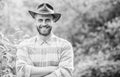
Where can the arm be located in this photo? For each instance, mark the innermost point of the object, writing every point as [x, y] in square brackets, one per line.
[41, 71]
[25, 67]
[66, 63]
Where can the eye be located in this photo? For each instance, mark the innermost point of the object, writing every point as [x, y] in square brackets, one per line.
[47, 20]
[40, 20]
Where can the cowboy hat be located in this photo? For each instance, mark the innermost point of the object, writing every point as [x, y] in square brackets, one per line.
[45, 9]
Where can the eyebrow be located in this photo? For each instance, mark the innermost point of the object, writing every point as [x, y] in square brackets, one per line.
[43, 19]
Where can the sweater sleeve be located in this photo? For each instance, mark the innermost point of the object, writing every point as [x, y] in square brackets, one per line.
[23, 63]
[66, 65]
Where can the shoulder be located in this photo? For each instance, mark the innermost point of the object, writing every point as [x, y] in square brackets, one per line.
[63, 42]
[65, 45]
[27, 42]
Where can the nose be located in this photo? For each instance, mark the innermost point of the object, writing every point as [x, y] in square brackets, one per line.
[44, 23]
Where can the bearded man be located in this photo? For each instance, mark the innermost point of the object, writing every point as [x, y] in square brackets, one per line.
[45, 55]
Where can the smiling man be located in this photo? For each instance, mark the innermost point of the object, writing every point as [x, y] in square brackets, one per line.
[45, 55]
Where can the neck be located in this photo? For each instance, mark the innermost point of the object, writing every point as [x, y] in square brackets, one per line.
[44, 38]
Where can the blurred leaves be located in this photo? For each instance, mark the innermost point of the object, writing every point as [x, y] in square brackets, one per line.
[7, 58]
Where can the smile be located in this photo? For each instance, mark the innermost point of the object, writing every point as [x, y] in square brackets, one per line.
[44, 26]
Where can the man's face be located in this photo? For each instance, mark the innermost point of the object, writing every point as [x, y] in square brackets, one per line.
[44, 24]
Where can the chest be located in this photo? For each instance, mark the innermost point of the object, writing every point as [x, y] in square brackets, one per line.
[45, 55]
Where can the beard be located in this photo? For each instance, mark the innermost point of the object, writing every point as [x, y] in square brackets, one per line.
[44, 30]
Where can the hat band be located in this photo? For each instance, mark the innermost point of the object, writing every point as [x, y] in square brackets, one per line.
[46, 12]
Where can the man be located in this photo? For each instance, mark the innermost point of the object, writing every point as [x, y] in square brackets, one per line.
[44, 55]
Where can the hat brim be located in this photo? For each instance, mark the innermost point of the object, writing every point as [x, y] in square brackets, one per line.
[56, 16]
